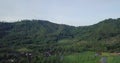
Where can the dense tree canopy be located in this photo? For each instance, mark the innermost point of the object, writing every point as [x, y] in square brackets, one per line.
[40, 36]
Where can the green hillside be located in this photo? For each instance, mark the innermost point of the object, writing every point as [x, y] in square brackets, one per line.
[44, 39]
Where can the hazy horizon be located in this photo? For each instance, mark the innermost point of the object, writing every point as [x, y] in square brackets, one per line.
[70, 12]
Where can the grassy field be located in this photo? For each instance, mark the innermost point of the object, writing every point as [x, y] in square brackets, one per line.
[89, 57]
[112, 57]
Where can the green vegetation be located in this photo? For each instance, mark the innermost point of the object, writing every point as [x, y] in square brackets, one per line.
[40, 41]
[84, 57]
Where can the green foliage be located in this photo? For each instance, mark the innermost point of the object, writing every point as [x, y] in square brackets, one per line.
[40, 37]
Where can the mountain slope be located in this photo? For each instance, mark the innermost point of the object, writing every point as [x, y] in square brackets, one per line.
[105, 29]
[41, 32]
[28, 31]
[40, 41]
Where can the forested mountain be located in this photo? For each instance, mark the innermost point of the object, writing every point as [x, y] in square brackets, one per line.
[39, 36]
[34, 31]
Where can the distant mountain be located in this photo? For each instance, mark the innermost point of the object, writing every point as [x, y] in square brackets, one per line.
[27, 33]
[102, 30]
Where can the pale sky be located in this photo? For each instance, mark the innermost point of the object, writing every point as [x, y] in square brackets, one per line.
[71, 12]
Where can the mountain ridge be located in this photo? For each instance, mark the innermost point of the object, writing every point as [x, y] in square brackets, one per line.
[41, 32]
